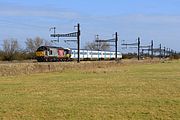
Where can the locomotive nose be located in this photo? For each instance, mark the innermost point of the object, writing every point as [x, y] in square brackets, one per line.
[39, 53]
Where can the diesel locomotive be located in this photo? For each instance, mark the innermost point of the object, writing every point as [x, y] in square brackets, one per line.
[52, 54]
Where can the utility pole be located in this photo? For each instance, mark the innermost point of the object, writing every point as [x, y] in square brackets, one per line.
[152, 44]
[54, 32]
[98, 43]
[138, 48]
[78, 42]
[116, 40]
[164, 52]
[137, 44]
[160, 52]
[54, 29]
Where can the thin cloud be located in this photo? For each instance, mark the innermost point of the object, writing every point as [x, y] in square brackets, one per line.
[24, 11]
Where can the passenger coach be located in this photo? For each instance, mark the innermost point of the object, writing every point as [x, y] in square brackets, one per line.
[93, 55]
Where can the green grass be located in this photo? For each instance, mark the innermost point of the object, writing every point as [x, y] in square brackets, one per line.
[135, 91]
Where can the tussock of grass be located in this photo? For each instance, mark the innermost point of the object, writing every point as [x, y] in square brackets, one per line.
[94, 91]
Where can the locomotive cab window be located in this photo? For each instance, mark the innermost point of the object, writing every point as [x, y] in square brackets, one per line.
[66, 51]
[50, 52]
[46, 53]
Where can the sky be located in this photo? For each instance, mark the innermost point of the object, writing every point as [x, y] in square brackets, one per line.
[157, 20]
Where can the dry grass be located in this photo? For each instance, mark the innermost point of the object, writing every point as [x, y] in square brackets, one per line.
[32, 67]
[95, 90]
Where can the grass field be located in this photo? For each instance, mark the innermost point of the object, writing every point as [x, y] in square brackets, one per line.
[95, 92]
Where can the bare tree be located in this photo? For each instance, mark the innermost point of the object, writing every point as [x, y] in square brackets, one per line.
[104, 46]
[97, 46]
[10, 48]
[33, 44]
[38, 42]
[47, 43]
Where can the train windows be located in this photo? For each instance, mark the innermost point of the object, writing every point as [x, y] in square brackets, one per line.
[74, 52]
[95, 53]
[107, 53]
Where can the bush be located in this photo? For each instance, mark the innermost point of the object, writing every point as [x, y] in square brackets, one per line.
[175, 56]
[129, 56]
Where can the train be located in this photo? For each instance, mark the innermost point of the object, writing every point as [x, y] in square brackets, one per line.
[57, 54]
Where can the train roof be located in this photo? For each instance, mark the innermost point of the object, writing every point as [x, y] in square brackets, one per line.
[48, 47]
[95, 50]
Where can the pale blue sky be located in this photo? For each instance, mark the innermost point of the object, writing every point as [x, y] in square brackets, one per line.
[149, 19]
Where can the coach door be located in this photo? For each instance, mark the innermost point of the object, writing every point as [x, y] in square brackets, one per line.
[61, 53]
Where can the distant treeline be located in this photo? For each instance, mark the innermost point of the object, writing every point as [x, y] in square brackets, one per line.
[144, 56]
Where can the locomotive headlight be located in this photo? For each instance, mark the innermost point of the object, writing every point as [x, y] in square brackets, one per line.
[40, 53]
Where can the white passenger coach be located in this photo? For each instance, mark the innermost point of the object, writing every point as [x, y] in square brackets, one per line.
[91, 54]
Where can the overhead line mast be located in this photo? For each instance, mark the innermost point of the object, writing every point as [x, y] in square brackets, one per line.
[73, 34]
